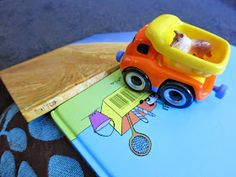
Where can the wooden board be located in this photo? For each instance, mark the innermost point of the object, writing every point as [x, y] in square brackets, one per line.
[41, 84]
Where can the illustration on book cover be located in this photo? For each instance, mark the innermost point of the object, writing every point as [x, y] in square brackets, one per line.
[120, 111]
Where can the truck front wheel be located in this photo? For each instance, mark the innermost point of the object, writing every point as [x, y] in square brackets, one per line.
[176, 94]
[136, 80]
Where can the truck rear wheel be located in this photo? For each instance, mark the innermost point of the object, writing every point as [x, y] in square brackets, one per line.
[176, 94]
[136, 80]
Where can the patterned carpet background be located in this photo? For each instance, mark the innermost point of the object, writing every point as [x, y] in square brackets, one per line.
[29, 28]
[35, 149]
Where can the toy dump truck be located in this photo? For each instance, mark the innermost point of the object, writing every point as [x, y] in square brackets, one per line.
[150, 63]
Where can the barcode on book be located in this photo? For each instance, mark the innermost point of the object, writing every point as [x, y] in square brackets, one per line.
[124, 98]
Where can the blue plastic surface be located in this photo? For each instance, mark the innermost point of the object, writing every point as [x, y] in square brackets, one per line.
[193, 142]
[119, 55]
[220, 91]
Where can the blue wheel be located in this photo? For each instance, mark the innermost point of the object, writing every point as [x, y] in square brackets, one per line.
[136, 80]
[176, 94]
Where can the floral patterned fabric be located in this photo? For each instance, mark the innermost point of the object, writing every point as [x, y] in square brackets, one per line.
[37, 148]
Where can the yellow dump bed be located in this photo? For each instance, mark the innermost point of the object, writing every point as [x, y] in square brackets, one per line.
[161, 33]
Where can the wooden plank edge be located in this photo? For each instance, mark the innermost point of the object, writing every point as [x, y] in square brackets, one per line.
[51, 104]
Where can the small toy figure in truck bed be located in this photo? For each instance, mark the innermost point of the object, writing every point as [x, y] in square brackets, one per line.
[198, 48]
[179, 78]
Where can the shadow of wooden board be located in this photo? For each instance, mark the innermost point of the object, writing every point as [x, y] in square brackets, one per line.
[41, 84]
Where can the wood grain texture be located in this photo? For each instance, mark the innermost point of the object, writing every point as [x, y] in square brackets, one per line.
[41, 84]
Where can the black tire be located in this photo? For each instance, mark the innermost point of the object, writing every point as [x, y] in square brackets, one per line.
[136, 80]
[176, 94]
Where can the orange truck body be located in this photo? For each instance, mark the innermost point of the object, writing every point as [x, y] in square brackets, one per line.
[152, 65]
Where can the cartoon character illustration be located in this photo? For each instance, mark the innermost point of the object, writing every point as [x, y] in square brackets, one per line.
[113, 114]
[154, 98]
[198, 48]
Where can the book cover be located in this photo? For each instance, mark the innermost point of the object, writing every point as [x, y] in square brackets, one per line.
[122, 133]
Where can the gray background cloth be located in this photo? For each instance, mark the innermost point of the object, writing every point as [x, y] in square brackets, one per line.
[32, 27]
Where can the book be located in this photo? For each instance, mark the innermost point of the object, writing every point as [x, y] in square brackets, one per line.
[119, 133]
[44, 82]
